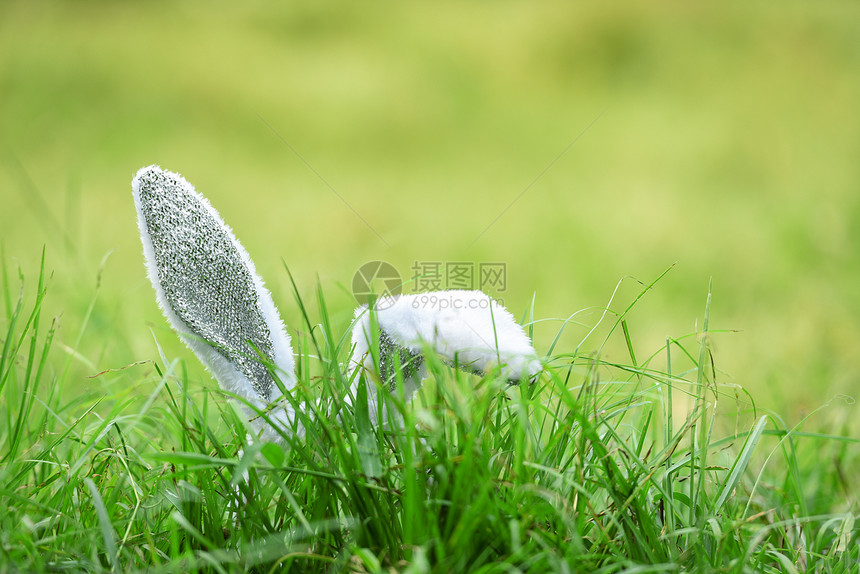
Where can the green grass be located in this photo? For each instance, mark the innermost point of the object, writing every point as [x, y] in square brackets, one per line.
[599, 466]
[728, 142]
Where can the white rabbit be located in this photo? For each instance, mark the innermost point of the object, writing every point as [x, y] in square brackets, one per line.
[209, 291]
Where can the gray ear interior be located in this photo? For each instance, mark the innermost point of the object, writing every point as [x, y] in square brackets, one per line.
[410, 361]
[204, 278]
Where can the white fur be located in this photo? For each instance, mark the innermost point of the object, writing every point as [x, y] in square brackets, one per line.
[468, 328]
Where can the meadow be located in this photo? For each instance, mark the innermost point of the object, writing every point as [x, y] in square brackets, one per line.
[670, 189]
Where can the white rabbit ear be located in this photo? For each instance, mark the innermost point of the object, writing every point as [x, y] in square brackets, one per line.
[208, 288]
[467, 328]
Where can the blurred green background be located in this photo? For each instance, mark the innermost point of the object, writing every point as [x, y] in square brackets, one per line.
[728, 141]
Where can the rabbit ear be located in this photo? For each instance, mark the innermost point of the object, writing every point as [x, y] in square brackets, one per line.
[366, 328]
[467, 328]
[208, 288]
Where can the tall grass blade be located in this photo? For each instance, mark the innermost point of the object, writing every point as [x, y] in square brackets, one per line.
[740, 464]
[108, 534]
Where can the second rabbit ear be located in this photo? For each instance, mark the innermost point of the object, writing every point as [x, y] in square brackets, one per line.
[208, 288]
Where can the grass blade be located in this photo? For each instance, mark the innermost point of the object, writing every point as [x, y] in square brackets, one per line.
[740, 464]
[108, 534]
